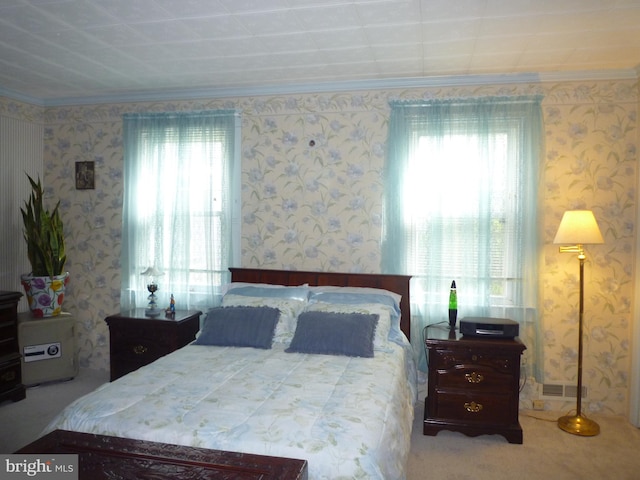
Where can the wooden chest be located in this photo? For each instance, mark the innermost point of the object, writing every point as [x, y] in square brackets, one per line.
[104, 457]
[473, 385]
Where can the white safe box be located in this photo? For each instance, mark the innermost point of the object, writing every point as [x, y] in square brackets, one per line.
[48, 348]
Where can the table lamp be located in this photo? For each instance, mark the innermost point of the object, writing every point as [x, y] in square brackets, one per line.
[152, 309]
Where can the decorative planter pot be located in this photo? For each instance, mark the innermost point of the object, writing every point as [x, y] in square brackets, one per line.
[45, 294]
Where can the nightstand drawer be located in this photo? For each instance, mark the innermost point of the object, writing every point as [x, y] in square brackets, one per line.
[475, 379]
[476, 408]
[139, 348]
[465, 356]
[10, 372]
[8, 336]
[157, 339]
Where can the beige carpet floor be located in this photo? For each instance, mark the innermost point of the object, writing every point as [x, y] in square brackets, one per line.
[547, 452]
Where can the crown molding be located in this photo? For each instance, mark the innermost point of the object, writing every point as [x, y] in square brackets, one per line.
[328, 87]
[295, 88]
[596, 75]
[12, 94]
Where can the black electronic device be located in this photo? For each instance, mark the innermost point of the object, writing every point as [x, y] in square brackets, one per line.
[489, 327]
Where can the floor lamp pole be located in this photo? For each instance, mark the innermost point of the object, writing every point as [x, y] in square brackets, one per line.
[578, 424]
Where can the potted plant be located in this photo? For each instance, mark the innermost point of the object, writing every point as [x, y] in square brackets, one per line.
[43, 232]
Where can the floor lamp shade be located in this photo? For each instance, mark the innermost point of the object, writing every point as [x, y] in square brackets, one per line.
[578, 228]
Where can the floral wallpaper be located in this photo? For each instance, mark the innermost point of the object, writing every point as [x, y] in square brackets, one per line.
[312, 199]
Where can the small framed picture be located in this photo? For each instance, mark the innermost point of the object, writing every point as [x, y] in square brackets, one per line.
[85, 176]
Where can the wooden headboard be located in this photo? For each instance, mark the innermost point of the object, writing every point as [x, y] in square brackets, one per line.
[395, 283]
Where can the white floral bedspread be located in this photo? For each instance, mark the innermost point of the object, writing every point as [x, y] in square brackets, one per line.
[348, 417]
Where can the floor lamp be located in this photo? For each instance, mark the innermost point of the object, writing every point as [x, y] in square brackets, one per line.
[578, 228]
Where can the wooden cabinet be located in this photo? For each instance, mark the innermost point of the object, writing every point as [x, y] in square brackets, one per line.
[473, 385]
[137, 340]
[11, 387]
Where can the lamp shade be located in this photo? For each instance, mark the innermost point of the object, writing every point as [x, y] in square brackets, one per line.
[152, 272]
[578, 227]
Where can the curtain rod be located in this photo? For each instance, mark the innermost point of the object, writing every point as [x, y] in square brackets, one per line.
[195, 113]
[467, 100]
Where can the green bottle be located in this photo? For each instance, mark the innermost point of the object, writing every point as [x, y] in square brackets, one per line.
[453, 305]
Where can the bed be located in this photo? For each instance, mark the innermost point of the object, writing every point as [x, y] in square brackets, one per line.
[333, 383]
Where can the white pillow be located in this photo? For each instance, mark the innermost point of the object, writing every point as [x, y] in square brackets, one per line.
[289, 310]
[379, 291]
[233, 285]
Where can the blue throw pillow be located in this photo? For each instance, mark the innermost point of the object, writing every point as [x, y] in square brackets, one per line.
[331, 333]
[355, 298]
[239, 327]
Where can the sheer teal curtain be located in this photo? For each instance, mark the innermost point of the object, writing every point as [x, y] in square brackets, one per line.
[181, 207]
[461, 203]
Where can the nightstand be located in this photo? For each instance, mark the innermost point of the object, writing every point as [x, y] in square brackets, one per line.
[137, 340]
[473, 384]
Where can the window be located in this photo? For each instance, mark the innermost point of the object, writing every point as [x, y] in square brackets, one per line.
[203, 219]
[179, 208]
[461, 195]
[448, 176]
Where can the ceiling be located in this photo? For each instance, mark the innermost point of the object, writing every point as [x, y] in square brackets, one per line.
[57, 50]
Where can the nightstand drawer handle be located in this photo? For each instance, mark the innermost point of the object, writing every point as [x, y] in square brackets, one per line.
[474, 377]
[473, 407]
[8, 376]
[139, 349]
